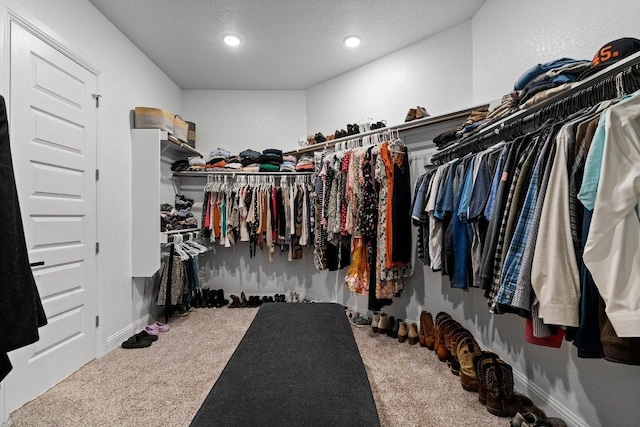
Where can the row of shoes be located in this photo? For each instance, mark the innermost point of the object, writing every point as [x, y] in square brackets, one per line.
[208, 298]
[416, 113]
[254, 301]
[145, 337]
[398, 329]
[479, 371]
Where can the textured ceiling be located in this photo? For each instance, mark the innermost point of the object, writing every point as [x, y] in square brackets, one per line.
[287, 44]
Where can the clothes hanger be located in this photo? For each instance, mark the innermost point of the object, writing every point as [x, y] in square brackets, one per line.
[177, 239]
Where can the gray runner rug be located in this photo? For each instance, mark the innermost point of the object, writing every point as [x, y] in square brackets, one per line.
[297, 365]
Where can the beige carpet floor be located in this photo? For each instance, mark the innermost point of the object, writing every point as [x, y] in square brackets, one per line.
[165, 384]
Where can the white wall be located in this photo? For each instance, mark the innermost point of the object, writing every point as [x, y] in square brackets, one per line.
[434, 73]
[240, 119]
[511, 36]
[128, 79]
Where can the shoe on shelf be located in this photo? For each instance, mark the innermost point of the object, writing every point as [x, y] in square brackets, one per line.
[411, 115]
[421, 113]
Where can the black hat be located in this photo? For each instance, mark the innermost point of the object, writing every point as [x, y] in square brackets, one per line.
[611, 53]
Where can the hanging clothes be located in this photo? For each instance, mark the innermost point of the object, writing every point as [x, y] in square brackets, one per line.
[261, 213]
[539, 209]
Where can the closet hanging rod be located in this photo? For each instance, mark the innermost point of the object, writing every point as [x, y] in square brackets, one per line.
[239, 173]
[462, 114]
[165, 236]
[528, 115]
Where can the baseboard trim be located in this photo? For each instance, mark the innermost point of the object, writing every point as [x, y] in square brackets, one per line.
[116, 339]
[522, 382]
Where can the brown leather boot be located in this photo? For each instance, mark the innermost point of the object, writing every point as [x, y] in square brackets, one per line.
[421, 331]
[457, 338]
[478, 363]
[427, 330]
[502, 400]
[440, 317]
[442, 350]
[468, 349]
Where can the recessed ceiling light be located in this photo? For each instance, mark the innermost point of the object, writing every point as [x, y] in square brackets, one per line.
[231, 40]
[352, 41]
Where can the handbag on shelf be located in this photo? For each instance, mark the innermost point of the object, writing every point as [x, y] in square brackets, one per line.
[191, 134]
[180, 129]
[153, 118]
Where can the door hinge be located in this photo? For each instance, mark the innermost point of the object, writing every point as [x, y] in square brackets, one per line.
[97, 98]
[97, 174]
[97, 321]
[97, 247]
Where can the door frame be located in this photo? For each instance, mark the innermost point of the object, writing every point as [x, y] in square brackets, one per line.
[15, 14]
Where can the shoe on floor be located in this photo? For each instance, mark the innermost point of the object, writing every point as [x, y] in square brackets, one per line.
[136, 342]
[146, 336]
[162, 327]
[361, 321]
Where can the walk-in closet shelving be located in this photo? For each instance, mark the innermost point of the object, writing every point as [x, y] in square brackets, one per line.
[197, 174]
[412, 130]
[599, 87]
[148, 147]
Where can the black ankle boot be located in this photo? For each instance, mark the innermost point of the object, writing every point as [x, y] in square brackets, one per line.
[220, 301]
[206, 292]
[196, 299]
[391, 325]
[213, 298]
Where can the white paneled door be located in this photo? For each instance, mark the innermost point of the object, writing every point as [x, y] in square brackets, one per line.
[53, 141]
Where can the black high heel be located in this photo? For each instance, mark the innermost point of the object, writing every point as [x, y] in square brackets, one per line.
[235, 302]
[244, 301]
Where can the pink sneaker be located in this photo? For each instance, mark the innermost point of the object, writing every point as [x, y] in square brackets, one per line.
[161, 327]
[151, 330]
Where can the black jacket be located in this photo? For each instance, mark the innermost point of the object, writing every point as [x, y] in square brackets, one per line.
[21, 312]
